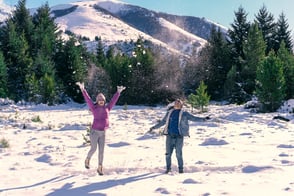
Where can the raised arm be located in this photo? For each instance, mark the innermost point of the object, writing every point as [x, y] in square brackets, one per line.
[86, 96]
[115, 97]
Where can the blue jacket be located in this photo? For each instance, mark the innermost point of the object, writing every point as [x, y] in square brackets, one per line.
[184, 118]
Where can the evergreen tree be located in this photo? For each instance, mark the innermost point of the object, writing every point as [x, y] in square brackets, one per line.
[34, 89]
[3, 77]
[111, 67]
[60, 62]
[238, 36]
[270, 89]
[234, 92]
[44, 43]
[100, 55]
[288, 68]
[142, 75]
[43, 70]
[283, 34]
[19, 64]
[119, 72]
[73, 68]
[48, 91]
[267, 26]
[201, 98]
[45, 33]
[23, 20]
[254, 51]
[218, 64]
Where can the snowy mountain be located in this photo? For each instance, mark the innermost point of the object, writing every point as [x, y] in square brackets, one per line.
[115, 21]
[5, 10]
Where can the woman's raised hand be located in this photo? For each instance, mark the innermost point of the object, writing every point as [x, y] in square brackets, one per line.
[81, 85]
[120, 88]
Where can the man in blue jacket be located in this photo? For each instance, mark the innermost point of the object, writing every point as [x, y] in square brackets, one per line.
[176, 127]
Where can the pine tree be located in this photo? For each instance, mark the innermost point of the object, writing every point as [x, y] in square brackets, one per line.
[254, 51]
[73, 68]
[201, 98]
[283, 34]
[3, 77]
[238, 35]
[119, 71]
[234, 92]
[270, 89]
[267, 26]
[23, 20]
[45, 33]
[43, 44]
[48, 89]
[43, 70]
[19, 64]
[288, 68]
[192, 100]
[100, 55]
[218, 64]
[142, 75]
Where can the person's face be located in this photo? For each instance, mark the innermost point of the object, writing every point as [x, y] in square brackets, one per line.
[178, 104]
[100, 101]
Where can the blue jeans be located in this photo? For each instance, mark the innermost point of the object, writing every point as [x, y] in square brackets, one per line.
[171, 143]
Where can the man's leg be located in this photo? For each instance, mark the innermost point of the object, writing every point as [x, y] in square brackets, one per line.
[169, 151]
[179, 153]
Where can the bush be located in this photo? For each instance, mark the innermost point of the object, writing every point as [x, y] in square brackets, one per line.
[4, 143]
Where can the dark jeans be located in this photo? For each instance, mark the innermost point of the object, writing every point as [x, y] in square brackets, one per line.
[171, 143]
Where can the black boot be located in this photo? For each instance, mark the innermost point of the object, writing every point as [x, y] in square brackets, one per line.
[99, 170]
[167, 170]
[87, 163]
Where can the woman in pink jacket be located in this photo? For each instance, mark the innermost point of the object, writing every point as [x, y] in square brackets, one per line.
[100, 111]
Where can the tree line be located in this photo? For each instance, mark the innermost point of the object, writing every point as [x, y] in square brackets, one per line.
[252, 59]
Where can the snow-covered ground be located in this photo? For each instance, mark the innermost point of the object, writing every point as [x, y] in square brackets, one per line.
[235, 153]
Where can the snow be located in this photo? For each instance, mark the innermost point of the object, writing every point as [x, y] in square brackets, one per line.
[5, 10]
[89, 22]
[109, 28]
[235, 153]
[177, 31]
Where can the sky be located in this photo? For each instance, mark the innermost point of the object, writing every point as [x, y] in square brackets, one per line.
[218, 11]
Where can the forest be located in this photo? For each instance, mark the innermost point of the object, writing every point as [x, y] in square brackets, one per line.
[254, 59]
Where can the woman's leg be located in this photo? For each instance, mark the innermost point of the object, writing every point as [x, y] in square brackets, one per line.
[101, 144]
[94, 142]
[93, 147]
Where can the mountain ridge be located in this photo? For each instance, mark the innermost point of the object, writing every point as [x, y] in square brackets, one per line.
[115, 21]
